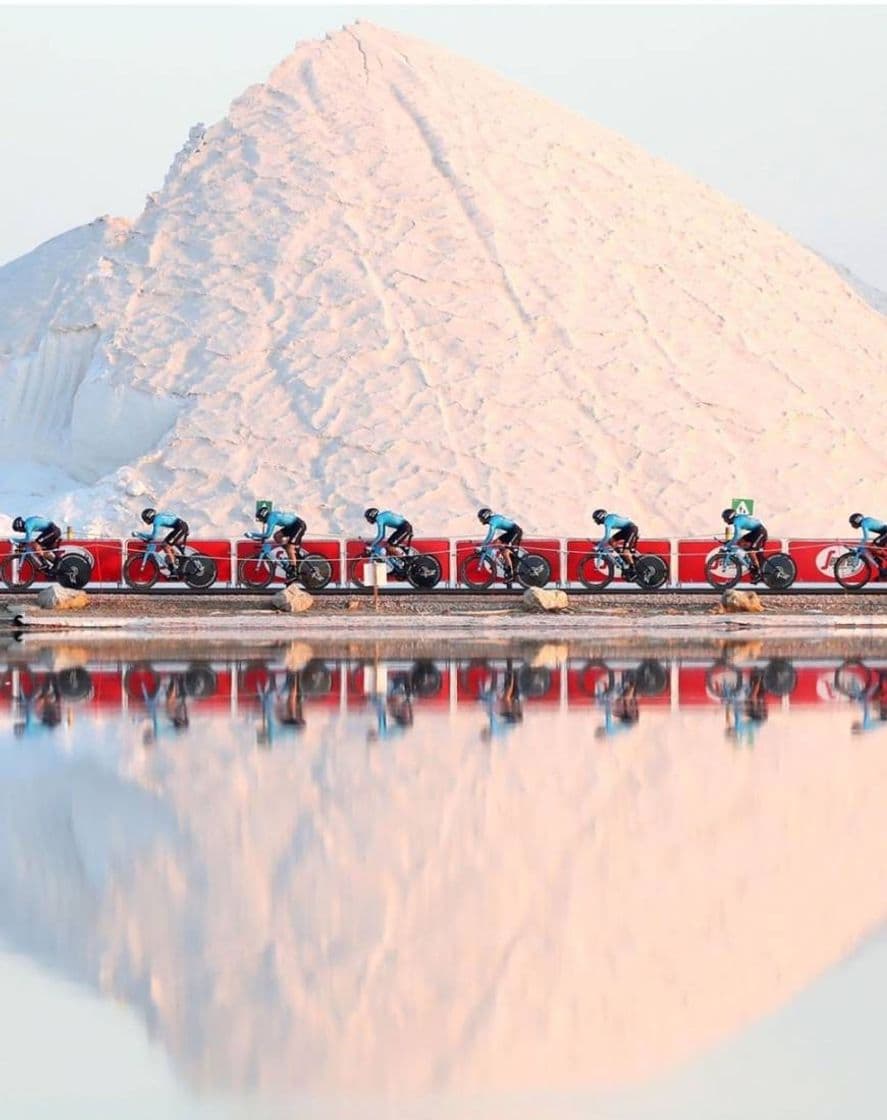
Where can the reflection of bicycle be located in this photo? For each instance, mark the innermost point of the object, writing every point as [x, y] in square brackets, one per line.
[488, 563]
[648, 678]
[726, 681]
[420, 569]
[868, 688]
[143, 569]
[40, 696]
[853, 569]
[311, 569]
[502, 697]
[726, 567]
[69, 566]
[598, 569]
[144, 682]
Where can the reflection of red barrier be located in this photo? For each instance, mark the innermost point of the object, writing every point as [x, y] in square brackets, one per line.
[816, 558]
[474, 680]
[692, 555]
[588, 684]
[580, 547]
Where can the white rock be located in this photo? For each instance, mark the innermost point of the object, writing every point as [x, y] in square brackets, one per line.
[292, 599]
[56, 598]
[541, 599]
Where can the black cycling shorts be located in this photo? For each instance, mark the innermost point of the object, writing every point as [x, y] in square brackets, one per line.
[294, 532]
[753, 541]
[402, 536]
[178, 534]
[627, 535]
[49, 537]
[512, 536]
[880, 540]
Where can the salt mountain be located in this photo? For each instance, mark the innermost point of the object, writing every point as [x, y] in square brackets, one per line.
[390, 276]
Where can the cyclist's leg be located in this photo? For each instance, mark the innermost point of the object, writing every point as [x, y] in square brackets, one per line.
[511, 539]
[173, 544]
[46, 543]
[400, 539]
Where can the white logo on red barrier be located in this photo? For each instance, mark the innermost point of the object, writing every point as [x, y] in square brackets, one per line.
[826, 557]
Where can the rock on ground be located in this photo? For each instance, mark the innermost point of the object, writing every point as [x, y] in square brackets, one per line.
[56, 598]
[292, 599]
[738, 602]
[540, 599]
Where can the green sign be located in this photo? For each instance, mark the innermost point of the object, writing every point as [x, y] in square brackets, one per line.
[743, 506]
[264, 506]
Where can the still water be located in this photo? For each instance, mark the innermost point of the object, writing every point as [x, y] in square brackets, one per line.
[442, 881]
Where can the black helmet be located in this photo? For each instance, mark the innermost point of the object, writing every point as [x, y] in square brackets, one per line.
[18, 525]
[484, 514]
[371, 514]
[148, 515]
[262, 513]
[855, 520]
[729, 515]
[598, 516]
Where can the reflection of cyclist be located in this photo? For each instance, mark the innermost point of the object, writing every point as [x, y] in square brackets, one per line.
[42, 534]
[870, 525]
[280, 709]
[177, 535]
[401, 535]
[746, 710]
[286, 528]
[620, 713]
[750, 535]
[394, 715]
[621, 533]
[175, 708]
[504, 707]
[510, 536]
[874, 707]
[42, 712]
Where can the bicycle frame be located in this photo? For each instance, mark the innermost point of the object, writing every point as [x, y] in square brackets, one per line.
[491, 554]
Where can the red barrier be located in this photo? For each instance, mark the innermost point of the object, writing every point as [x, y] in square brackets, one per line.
[107, 556]
[549, 547]
[580, 547]
[692, 555]
[816, 558]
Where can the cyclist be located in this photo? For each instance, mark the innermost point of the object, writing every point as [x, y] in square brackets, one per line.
[286, 528]
[510, 536]
[873, 525]
[401, 531]
[620, 533]
[177, 535]
[750, 535]
[42, 534]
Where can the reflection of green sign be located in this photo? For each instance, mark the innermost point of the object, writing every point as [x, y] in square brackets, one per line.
[264, 506]
[743, 506]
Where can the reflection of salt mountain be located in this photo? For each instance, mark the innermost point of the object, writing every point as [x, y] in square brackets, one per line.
[390, 271]
[444, 912]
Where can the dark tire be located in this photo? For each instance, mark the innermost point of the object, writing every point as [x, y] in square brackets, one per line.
[316, 678]
[200, 681]
[723, 571]
[779, 571]
[73, 571]
[17, 572]
[596, 571]
[852, 572]
[476, 573]
[315, 572]
[255, 572]
[780, 677]
[853, 679]
[425, 680]
[423, 571]
[140, 682]
[140, 571]
[651, 677]
[723, 681]
[74, 683]
[199, 572]
[533, 681]
[650, 572]
[596, 679]
[533, 570]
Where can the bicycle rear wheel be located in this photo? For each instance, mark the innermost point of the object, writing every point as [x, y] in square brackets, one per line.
[779, 571]
[650, 572]
[315, 571]
[476, 572]
[596, 571]
[73, 571]
[533, 570]
[140, 571]
[852, 571]
[256, 572]
[199, 572]
[723, 570]
[17, 572]
[423, 571]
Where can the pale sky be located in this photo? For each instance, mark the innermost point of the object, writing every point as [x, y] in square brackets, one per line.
[783, 109]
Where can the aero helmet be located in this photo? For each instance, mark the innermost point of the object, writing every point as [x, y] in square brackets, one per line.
[262, 512]
[18, 525]
[729, 515]
[148, 515]
[484, 514]
[598, 516]
[371, 514]
[855, 520]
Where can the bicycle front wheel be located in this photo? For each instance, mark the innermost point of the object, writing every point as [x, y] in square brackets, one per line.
[17, 572]
[852, 571]
[140, 571]
[723, 571]
[533, 570]
[256, 572]
[476, 572]
[356, 571]
[596, 571]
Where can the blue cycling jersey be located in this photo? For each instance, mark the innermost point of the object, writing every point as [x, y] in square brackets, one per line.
[498, 524]
[162, 521]
[34, 526]
[872, 525]
[613, 522]
[744, 524]
[387, 520]
[277, 519]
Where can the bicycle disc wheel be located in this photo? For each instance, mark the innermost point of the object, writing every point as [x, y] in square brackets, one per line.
[73, 571]
[596, 571]
[533, 570]
[723, 571]
[424, 572]
[140, 571]
[779, 571]
[17, 572]
[256, 572]
[199, 572]
[852, 571]
[476, 572]
[650, 572]
[315, 572]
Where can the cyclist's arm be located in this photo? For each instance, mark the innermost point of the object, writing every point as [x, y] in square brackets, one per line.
[380, 533]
